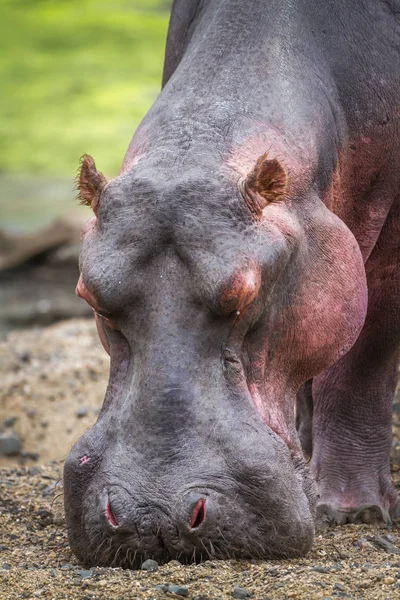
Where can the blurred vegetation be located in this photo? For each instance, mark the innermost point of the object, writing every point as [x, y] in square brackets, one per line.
[76, 76]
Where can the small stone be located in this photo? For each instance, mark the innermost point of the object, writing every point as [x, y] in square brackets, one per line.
[38, 593]
[149, 565]
[31, 455]
[174, 563]
[25, 357]
[241, 593]
[6, 566]
[82, 411]
[339, 587]
[177, 589]
[9, 444]
[388, 580]
[84, 573]
[9, 422]
[3, 547]
[381, 542]
[319, 569]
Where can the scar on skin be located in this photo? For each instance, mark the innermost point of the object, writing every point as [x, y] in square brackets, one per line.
[84, 459]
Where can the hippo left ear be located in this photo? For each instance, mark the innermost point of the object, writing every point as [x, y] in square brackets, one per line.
[266, 183]
[90, 183]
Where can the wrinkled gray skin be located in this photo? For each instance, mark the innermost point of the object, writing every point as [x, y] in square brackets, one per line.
[200, 400]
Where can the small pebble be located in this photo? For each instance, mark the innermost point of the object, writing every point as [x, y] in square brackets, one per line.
[84, 573]
[339, 587]
[241, 593]
[388, 580]
[319, 569]
[82, 411]
[177, 589]
[9, 422]
[10, 444]
[149, 565]
[381, 542]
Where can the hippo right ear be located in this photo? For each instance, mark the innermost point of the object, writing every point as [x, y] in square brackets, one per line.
[90, 182]
[266, 183]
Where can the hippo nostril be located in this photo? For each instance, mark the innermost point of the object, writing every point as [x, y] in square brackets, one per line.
[110, 515]
[198, 515]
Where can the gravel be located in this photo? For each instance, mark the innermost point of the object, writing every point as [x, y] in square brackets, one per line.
[355, 561]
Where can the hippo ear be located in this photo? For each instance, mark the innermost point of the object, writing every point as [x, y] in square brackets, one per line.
[90, 182]
[266, 183]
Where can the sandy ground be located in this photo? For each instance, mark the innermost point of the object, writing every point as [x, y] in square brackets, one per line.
[52, 384]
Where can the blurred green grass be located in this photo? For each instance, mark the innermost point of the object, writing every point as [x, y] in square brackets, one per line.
[76, 76]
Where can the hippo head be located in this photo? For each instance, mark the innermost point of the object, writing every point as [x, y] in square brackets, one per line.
[216, 299]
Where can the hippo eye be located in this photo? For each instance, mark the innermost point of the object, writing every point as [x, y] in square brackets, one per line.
[241, 291]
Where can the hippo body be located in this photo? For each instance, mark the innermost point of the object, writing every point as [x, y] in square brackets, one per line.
[247, 252]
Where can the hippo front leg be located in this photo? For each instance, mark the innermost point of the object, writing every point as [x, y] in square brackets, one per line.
[353, 404]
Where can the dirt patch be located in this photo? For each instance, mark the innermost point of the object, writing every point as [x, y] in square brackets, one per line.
[53, 382]
[35, 560]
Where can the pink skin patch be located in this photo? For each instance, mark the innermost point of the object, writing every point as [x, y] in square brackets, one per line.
[110, 516]
[84, 459]
[198, 515]
[88, 226]
[297, 160]
[243, 290]
[82, 291]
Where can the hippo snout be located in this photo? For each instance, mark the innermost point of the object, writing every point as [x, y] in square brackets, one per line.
[195, 508]
[121, 512]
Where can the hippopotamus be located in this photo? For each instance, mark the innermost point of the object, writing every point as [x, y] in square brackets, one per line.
[247, 253]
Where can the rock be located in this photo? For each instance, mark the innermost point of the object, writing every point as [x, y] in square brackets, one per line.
[177, 589]
[241, 593]
[381, 541]
[319, 569]
[339, 587]
[9, 422]
[149, 565]
[388, 580]
[82, 411]
[10, 444]
[29, 455]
